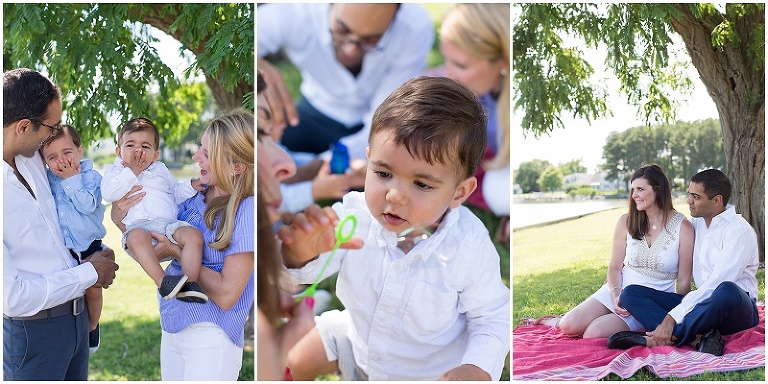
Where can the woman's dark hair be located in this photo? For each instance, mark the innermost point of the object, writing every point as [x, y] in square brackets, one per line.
[637, 221]
[261, 85]
[268, 265]
[26, 95]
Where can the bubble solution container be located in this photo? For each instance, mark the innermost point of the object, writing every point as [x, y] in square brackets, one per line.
[339, 158]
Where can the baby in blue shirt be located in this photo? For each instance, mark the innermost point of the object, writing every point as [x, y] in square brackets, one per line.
[76, 187]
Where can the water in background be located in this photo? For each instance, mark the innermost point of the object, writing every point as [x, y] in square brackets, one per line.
[527, 214]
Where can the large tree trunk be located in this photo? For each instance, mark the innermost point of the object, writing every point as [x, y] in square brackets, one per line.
[735, 79]
[226, 100]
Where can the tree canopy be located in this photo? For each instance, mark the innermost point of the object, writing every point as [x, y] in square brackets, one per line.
[551, 179]
[681, 149]
[527, 175]
[726, 45]
[573, 166]
[102, 58]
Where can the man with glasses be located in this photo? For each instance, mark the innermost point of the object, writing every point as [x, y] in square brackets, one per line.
[351, 57]
[54, 128]
[45, 324]
[725, 263]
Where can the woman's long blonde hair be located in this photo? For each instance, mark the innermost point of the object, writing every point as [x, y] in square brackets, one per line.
[230, 138]
[482, 30]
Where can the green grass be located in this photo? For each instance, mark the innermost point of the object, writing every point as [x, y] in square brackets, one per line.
[557, 266]
[130, 324]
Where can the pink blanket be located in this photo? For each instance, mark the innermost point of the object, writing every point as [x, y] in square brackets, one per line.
[543, 353]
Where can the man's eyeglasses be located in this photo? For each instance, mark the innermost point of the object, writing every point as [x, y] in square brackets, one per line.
[365, 44]
[55, 129]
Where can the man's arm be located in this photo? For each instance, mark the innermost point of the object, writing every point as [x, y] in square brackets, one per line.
[25, 295]
[662, 335]
[275, 30]
[735, 250]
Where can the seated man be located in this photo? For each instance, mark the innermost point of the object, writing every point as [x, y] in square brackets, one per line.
[725, 263]
[351, 57]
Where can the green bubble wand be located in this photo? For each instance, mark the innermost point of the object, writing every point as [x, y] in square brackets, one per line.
[341, 237]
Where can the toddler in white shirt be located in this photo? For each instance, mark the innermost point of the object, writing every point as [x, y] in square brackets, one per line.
[136, 164]
[418, 306]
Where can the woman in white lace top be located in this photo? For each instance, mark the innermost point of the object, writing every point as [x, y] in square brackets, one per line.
[652, 246]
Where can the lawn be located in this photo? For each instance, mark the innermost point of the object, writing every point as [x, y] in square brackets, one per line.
[130, 324]
[557, 266]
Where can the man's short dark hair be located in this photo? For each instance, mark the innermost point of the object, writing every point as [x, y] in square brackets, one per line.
[715, 183]
[26, 95]
[437, 120]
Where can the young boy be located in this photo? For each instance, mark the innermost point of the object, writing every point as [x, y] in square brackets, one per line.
[76, 188]
[414, 310]
[136, 164]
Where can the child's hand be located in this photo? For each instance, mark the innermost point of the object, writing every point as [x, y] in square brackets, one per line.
[65, 168]
[135, 159]
[309, 234]
[466, 372]
[197, 184]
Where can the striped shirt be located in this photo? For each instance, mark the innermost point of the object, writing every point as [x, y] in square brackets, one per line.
[176, 315]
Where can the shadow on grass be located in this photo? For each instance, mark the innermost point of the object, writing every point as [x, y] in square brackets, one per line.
[130, 350]
[553, 293]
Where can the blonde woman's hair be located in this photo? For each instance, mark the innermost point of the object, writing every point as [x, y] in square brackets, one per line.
[482, 30]
[230, 138]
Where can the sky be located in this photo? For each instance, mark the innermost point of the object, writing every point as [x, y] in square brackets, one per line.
[582, 140]
[168, 50]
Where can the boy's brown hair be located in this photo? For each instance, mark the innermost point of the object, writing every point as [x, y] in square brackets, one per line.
[437, 120]
[66, 130]
[139, 124]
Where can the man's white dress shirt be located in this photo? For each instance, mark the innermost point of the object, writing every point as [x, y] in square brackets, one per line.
[420, 314]
[724, 251]
[303, 31]
[38, 270]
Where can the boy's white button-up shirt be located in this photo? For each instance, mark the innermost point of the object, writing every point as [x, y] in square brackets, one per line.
[303, 31]
[164, 192]
[724, 251]
[38, 271]
[421, 314]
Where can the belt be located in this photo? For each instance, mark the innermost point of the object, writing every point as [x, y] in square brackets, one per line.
[72, 307]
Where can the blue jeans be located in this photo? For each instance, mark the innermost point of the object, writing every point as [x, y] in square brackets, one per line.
[315, 132]
[729, 310]
[47, 349]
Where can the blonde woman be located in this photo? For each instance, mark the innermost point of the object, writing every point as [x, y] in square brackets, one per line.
[205, 341]
[474, 40]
